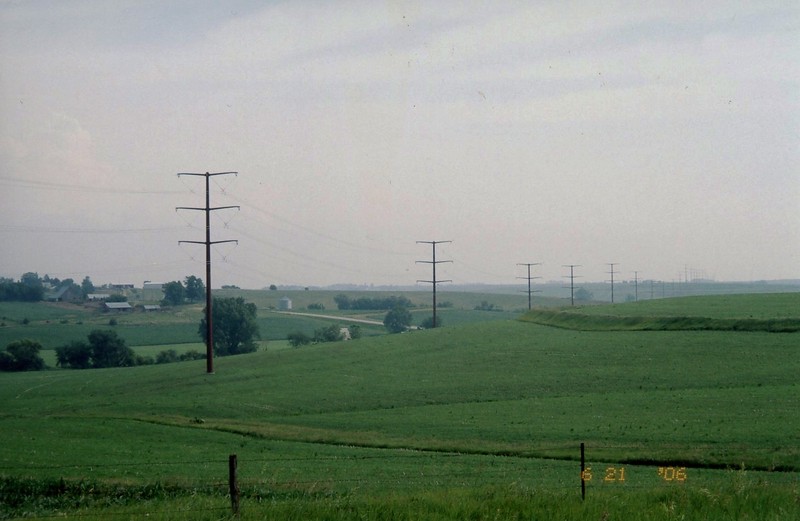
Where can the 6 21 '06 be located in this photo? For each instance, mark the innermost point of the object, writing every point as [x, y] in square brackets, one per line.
[617, 474]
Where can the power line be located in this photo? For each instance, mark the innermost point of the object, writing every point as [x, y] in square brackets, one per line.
[529, 278]
[49, 185]
[433, 264]
[571, 281]
[208, 242]
[612, 272]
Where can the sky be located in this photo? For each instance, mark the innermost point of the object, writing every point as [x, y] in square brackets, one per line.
[661, 137]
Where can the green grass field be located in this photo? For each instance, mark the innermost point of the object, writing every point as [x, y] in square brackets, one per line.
[778, 312]
[480, 419]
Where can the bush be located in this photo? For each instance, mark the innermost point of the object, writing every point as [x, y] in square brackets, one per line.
[428, 323]
[355, 331]
[397, 320]
[75, 355]
[167, 357]
[298, 339]
[22, 355]
[316, 306]
[105, 349]
[332, 333]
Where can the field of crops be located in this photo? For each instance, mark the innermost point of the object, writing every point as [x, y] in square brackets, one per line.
[479, 419]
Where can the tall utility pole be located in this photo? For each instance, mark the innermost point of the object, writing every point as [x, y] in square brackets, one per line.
[612, 272]
[529, 278]
[571, 281]
[433, 263]
[636, 285]
[208, 242]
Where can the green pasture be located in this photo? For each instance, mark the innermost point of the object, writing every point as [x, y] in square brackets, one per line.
[769, 306]
[770, 312]
[492, 410]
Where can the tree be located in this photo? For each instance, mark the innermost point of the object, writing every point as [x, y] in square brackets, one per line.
[87, 286]
[235, 326]
[298, 339]
[109, 350]
[30, 288]
[355, 331]
[583, 294]
[331, 333]
[75, 355]
[428, 322]
[195, 289]
[22, 355]
[174, 293]
[397, 320]
[167, 357]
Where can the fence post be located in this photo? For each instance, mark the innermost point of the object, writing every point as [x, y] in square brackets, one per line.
[233, 484]
[583, 473]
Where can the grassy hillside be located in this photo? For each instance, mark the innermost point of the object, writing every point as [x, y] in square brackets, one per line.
[759, 312]
[498, 387]
[463, 407]
[56, 324]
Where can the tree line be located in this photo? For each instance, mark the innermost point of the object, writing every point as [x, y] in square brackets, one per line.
[32, 288]
[235, 332]
[343, 302]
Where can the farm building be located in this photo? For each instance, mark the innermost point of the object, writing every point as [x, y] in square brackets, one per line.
[152, 290]
[118, 306]
[97, 296]
[285, 304]
[153, 307]
[68, 293]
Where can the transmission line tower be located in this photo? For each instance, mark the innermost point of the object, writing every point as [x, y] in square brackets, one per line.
[636, 285]
[433, 264]
[612, 272]
[208, 242]
[529, 278]
[571, 281]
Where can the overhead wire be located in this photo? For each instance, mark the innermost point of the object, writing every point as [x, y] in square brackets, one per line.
[50, 185]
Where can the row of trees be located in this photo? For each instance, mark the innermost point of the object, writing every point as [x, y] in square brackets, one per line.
[31, 288]
[235, 332]
[343, 302]
[332, 333]
[191, 289]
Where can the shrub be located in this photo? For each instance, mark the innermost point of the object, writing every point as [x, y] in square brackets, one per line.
[167, 357]
[192, 355]
[298, 339]
[397, 320]
[332, 333]
[22, 355]
[428, 323]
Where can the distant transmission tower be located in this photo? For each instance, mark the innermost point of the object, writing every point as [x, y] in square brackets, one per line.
[433, 281]
[636, 285]
[529, 278]
[612, 272]
[571, 281]
[208, 242]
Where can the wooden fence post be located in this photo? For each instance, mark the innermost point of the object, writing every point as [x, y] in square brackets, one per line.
[583, 473]
[233, 484]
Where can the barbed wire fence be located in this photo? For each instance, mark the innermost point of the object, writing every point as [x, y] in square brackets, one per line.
[262, 477]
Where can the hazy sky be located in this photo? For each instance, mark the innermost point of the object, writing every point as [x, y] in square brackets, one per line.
[662, 136]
